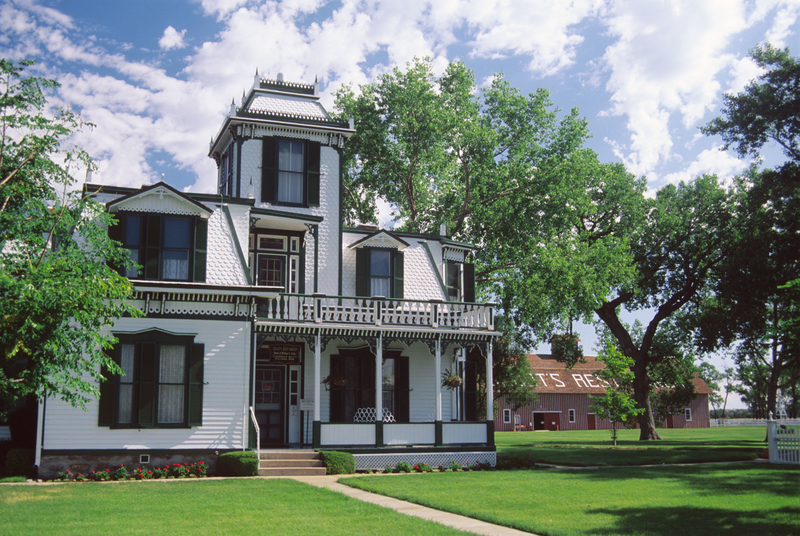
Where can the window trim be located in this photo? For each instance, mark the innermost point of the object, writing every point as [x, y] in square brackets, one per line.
[687, 414]
[571, 415]
[506, 416]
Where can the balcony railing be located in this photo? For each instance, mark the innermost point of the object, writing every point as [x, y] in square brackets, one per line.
[322, 309]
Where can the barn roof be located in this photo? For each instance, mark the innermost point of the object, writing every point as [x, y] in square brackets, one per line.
[555, 377]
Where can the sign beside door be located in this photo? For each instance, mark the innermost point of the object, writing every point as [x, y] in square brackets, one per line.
[286, 353]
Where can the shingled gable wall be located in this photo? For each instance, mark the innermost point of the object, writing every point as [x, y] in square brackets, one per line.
[561, 390]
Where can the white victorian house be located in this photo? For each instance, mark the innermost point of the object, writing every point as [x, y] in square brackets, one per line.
[270, 325]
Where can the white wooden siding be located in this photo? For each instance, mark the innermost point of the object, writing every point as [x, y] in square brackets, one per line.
[226, 375]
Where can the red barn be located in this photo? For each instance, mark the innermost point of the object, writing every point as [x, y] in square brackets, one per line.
[564, 400]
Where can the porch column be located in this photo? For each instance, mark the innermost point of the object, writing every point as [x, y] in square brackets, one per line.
[437, 389]
[437, 381]
[317, 374]
[489, 383]
[379, 392]
[489, 395]
[317, 425]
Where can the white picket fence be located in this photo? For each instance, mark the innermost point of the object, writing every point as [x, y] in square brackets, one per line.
[784, 443]
[720, 423]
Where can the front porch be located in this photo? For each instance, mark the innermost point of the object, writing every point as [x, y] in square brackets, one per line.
[334, 327]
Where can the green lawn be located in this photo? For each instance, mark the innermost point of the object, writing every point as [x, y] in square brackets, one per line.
[230, 507]
[594, 447]
[705, 500]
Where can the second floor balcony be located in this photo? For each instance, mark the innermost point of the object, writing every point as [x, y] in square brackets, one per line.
[376, 312]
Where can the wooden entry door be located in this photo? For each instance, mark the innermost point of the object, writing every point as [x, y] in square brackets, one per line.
[270, 403]
[591, 423]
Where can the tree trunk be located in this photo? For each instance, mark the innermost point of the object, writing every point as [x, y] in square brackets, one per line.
[641, 392]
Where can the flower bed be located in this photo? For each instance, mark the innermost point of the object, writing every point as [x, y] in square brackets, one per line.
[175, 470]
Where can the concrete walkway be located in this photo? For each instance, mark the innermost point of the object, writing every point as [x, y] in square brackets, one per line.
[464, 523]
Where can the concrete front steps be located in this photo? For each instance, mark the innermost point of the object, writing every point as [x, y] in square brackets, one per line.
[290, 463]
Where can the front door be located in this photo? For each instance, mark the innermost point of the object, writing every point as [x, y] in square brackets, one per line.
[269, 403]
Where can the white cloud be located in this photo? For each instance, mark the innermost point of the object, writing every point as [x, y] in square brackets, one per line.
[542, 30]
[664, 62]
[171, 39]
[712, 162]
[784, 25]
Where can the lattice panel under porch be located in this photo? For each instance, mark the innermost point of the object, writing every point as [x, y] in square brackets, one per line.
[434, 459]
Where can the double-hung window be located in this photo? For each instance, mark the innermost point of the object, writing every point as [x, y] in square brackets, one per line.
[161, 382]
[226, 172]
[290, 171]
[379, 272]
[167, 247]
[459, 281]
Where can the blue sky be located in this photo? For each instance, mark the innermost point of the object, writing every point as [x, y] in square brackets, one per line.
[157, 77]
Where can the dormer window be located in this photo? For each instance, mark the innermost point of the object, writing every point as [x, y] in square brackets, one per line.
[290, 172]
[379, 272]
[167, 247]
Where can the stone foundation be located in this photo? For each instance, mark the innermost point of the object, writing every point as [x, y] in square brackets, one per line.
[52, 464]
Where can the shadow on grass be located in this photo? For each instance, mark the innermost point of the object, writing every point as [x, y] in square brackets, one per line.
[736, 480]
[687, 520]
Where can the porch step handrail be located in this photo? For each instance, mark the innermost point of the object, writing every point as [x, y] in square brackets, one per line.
[321, 308]
[258, 432]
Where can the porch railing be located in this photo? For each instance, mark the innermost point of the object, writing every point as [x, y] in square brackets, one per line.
[258, 432]
[402, 434]
[320, 309]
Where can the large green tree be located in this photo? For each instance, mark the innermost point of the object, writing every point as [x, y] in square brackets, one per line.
[755, 304]
[561, 236]
[441, 150]
[56, 290]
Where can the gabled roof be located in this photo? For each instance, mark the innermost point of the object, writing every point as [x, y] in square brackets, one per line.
[159, 197]
[555, 377]
[381, 239]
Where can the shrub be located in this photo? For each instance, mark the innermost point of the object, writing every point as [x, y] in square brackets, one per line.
[338, 463]
[403, 467]
[19, 462]
[239, 463]
[121, 473]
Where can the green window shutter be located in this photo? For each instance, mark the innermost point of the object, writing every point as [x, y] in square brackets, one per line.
[196, 385]
[402, 389]
[469, 282]
[269, 169]
[147, 390]
[362, 272]
[200, 245]
[115, 233]
[106, 410]
[313, 174]
[398, 275]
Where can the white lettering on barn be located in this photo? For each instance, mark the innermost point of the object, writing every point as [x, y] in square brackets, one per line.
[541, 377]
[579, 380]
[559, 383]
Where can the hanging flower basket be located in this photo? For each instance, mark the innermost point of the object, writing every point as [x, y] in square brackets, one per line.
[450, 380]
[335, 379]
